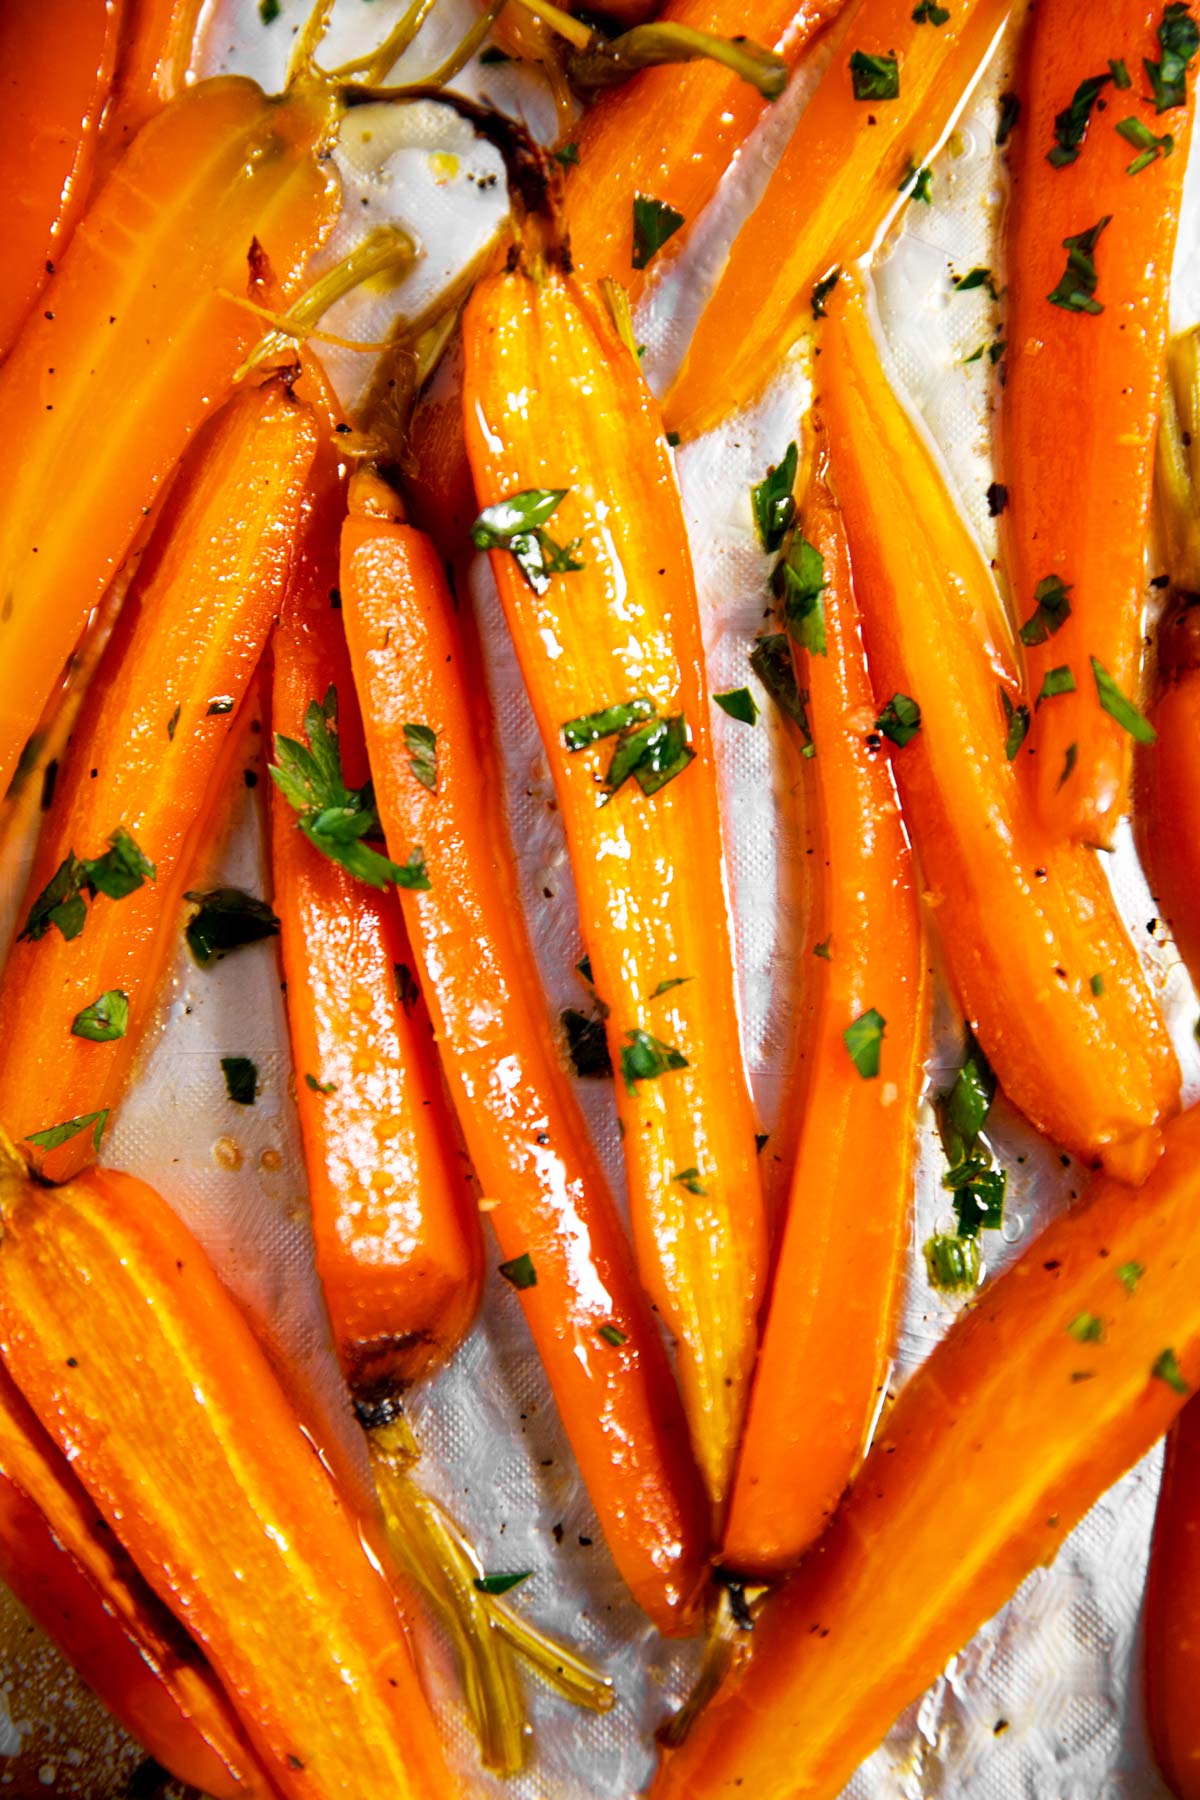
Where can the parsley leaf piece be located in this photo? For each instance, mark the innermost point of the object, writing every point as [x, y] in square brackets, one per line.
[975, 278]
[822, 290]
[1068, 768]
[997, 499]
[952, 1263]
[1120, 708]
[900, 720]
[1178, 39]
[864, 1040]
[54, 1135]
[979, 1200]
[1129, 1274]
[690, 1179]
[1166, 1363]
[568, 156]
[771, 660]
[227, 919]
[822, 949]
[1051, 610]
[520, 1272]
[516, 525]
[1070, 125]
[1055, 681]
[1087, 1328]
[874, 77]
[671, 981]
[501, 1584]
[645, 1058]
[406, 986]
[612, 1334]
[963, 1109]
[60, 902]
[121, 870]
[1118, 71]
[587, 1043]
[105, 1020]
[772, 501]
[740, 704]
[590, 727]
[421, 743]
[1144, 141]
[1018, 724]
[220, 703]
[1010, 112]
[1076, 288]
[799, 581]
[173, 722]
[922, 185]
[241, 1079]
[653, 223]
[928, 12]
[268, 11]
[1096, 983]
[317, 1087]
[653, 754]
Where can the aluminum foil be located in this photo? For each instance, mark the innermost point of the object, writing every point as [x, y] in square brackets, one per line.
[1044, 1703]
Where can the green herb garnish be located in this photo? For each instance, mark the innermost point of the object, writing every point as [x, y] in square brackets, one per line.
[1076, 289]
[54, 1135]
[1070, 125]
[1129, 1274]
[227, 919]
[317, 1087]
[105, 1020]
[952, 1262]
[653, 223]
[653, 754]
[241, 1079]
[567, 156]
[421, 743]
[1119, 707]
[1055, 681]
[874, 77]
[591, 727]
[771, 660]
[864, 1040]
[690, 1179]
[900, 720]
[119, 872]
[516, 525]
[1010, 112]
[1017, 720]
[1086, 1328]
[1118, 71]
[975, 278]
[799, 581]
[612, 1334]
[1051, 610]
[501, 1584]
[1178, 39]
[519, 1271]
[645, 1058]
[1144, 141]
[740, 704]
[1166, 1364]
[928, 12]
[772, 501]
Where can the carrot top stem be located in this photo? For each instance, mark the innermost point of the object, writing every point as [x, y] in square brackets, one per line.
[373, 65]
[1178, 457]
[387, 251]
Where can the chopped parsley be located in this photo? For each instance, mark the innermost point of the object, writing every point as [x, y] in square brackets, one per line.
[822, 290]
[690, 1179]
[119, 872]
[1056, 681]
[268, 11]
[900, 720]
[421, 743]
[1051, 610]
[105, 1020]
[997, 498]
[799, 581]
[1068, 768]
[612, 1334]
[1166, 1364]
[173, 722]
[587, 1044]
[1096, 983]
[501, 1584]
[771, 660]
[1076, 288]
[520, 1273]
[1119, 707]
[1010, 112]
[1129, 1274]
[653, 223]
[962, 1111]
[1086, 1328]
[568, 156]
[653, 753]
[922, 184]
[1070, 125]
[241, 1079]
[822, 949]
[952, 1263]
[1178, 39]
[864, 1040]
[220, 703]
[772, 501]
[645, 1058]
[591, 727]
[975, 278]
[1017, 722]
[318, 1087]
[1145, 142]
[740, 704]
[874, 77]
[54, 1135]
[671, 981]
[1119, 73]
[517, 525]
[227, 919]
[928, 12]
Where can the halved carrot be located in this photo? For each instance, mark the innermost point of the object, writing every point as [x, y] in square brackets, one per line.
[134, 345]
[1062, 1375]
[157, 43]
[605, 622]
[55, 82]
[66, 1568]
[830, 1323]
[1172, 1616]
[138, 1362]
[150, 760]
[878, 112]
[1043, 967]
[557, 1227]
[1086, 345]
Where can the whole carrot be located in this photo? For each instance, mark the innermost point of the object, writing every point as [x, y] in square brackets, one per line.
[1063, 1374]
[135, 1358]
[147, 770]
[829, 1328]
[561, 1239]
[1043, 967]
[1097, 182]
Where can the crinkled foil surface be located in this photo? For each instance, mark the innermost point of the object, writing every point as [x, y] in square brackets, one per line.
[1044, 1703]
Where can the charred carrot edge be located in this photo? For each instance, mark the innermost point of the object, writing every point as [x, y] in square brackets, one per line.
[829, 1329]
[62, 1562]
[1172, 1615]
[132, 347]
[593, 1329]
[1064, 1373]
[157, 44]
[620, 628]
[124, 1342]
[150, 757]
[1078, 522]
[55, 84]
[1042, 964]
[829, 193]
[395, 1222]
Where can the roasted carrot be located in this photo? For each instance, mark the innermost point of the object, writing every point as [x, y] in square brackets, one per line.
[134, 344]
[877, 114]
[55, 83]
[1091, 234]
[605, 622]
[157, 43]
[557, 1228]
[122, 1339]
[1043, 967]
[829, 1329]
[1172, 1615]
[69, 1572]
[1065, 1372]
[147, 770]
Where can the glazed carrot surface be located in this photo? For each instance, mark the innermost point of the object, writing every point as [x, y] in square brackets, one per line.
[156, 47]
[149, 766]
[1086, 335]
[598, 1341]
[829, 1328]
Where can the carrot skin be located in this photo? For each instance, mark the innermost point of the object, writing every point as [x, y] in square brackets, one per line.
[598, 1341]
[1025, 922]
[151, 753]
[1167, 810]
[1172, 1616]
[134, 346]
[1079, 507]
[1026, 1427]
[829, 193]
[157, 43]
[830, 1322]
[122, 1339]
[648, 868]
[55, 82]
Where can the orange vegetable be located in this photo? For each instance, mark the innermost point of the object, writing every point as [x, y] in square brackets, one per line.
[829, 1330]
[1058, 1379]
[593, 1329]
[134, 345]
[1079, 497]
[54, 80]
[136, 1359]
[65, 1567]
[1172, 1616]
[158, 41]
[395, 1221]
[1043, 967]
[829, 193]
[553, 402]
[151, 757]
